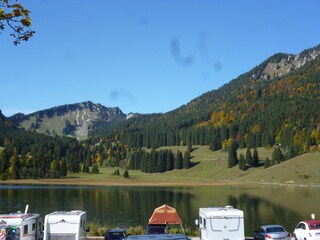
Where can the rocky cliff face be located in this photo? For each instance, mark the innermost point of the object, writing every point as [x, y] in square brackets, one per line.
[72, 120]
[281, 64]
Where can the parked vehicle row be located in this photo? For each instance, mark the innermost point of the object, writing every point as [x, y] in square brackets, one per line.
[57, 225]
[228, 223]
[305, 230]
[121, 234]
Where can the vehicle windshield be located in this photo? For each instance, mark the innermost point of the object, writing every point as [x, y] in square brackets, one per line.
[275, 229]
[115, 235]
[156, 230]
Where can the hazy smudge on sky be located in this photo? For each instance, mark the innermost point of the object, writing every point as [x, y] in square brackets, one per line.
[114, 95]
[177, 55]
[117, 94]
[204, 53]
[144, 21]
[217, 66]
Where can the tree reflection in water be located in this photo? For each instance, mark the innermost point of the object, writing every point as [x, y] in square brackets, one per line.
[133, 206]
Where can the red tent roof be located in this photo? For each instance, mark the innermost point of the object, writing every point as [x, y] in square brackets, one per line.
[165, 215]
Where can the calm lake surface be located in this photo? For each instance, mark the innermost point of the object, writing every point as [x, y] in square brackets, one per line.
[132, 206]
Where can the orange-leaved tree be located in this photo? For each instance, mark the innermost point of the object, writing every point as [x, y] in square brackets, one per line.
[15, 17]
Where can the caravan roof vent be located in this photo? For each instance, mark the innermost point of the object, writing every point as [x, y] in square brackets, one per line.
[229, 207]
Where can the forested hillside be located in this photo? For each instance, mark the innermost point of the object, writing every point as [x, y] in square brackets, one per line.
[259, 108]
[274, 104]
[31, 155]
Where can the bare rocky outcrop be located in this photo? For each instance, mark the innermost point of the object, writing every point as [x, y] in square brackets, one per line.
[73, 120]
[281, 64]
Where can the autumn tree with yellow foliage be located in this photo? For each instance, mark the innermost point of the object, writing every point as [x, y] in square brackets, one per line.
[16, 18]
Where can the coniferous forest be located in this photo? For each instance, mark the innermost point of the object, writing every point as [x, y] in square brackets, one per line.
[253, 110]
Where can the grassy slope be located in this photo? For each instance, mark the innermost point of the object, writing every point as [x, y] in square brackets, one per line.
[303, 169]
[211, 167]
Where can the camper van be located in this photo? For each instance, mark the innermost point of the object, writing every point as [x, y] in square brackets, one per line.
[22, 226]
[221, 223]
[65, 225]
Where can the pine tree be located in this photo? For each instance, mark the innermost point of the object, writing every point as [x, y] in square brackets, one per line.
[162, 163]
[3, 165]
[277, 156]
[153, 161]
[88, 159]
[63, 168]
[178, 160]
[143, 165]
[169, 161]
[248, 157]
[189, 146]
[255, 158]
[258, 140]
[292, 152]
[186, 160]
[126, 174]
[242, 163]
[216, 140]
[132, 160]
[232, 155]
[14, 168]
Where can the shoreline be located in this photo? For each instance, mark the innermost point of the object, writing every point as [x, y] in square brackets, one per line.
[86, 182]
[135, 183]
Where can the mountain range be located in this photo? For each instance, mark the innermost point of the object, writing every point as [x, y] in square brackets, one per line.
[239, 98]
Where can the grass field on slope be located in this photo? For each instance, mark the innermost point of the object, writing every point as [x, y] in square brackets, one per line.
[210, 167]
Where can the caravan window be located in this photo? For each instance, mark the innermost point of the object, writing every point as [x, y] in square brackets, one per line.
[218, 223]
[25, 229]
[33, 226]
[204, 223]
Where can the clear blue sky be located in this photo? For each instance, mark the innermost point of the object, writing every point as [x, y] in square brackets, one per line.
[145, 56]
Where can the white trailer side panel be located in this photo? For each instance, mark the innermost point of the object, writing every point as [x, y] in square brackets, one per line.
[63, 225]
[221, 223]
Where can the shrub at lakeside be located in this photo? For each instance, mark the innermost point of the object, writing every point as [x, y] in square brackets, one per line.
[98, 230]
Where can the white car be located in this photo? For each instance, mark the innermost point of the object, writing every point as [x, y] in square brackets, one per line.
[307, 230]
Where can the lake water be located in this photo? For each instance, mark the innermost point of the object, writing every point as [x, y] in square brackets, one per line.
[133, 206]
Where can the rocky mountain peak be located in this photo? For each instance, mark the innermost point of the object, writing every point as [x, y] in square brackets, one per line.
[282, 63]
[72, 119]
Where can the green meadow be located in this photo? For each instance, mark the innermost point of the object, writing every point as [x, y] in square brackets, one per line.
[211, 168]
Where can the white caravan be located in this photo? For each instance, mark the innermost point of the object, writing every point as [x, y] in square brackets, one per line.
[221, 223]
[65, 225]
[22, 226]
